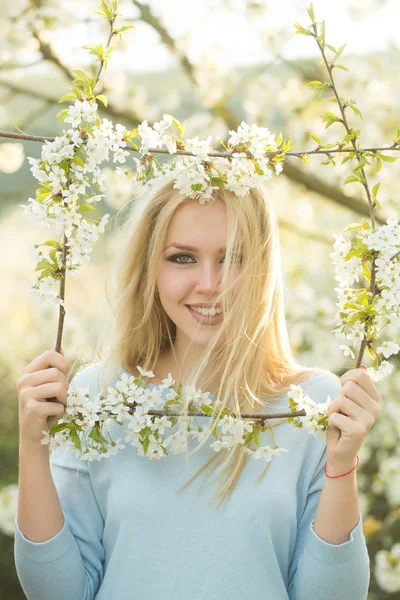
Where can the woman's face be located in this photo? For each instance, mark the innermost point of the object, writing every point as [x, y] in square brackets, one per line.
[193, 276]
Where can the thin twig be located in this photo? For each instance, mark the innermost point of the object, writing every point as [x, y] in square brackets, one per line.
[38, 138]
[261, 416]
[364, 183]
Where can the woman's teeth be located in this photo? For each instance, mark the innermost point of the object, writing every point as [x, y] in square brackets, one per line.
[206, 311]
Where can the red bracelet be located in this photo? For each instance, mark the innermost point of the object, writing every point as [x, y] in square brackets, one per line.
[334, 476]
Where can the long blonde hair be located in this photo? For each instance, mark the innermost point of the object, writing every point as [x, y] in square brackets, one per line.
[254, 365]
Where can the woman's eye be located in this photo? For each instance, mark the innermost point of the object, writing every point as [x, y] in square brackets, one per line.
[175, 258]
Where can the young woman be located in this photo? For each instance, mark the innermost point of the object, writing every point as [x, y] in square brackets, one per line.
[128, 527]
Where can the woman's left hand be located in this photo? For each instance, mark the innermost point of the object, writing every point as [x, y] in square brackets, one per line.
[359, 400]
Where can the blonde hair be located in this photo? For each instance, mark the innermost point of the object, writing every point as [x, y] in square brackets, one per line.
[254, 364]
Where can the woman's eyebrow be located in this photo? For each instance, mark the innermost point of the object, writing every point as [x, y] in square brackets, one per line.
[185, 247]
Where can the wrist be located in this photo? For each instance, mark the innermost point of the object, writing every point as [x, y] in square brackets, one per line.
[34, 450]
[335, 468]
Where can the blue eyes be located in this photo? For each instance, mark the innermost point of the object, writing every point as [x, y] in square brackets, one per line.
[175, 257]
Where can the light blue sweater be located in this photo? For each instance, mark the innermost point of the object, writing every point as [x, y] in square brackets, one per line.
[128, 534]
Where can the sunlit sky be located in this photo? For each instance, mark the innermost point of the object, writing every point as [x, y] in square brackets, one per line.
[230, 28]
[224, 27]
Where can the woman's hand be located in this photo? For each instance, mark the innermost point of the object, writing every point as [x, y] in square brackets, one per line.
[351, 415]
[45, 377]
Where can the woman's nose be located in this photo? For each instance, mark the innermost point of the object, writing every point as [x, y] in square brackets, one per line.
[208, 276]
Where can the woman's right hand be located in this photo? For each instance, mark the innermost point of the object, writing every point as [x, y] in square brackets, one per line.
[45, 377]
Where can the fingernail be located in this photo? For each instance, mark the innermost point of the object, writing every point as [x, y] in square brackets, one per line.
[363, 367]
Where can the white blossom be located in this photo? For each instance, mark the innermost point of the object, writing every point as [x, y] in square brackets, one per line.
[387, 569]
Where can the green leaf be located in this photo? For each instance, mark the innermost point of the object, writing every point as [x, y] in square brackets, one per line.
[366, 272]
[320, 86]
[66, 98]
[43, 264]
[315, 137]
[81, 75]
[42, 197]
[323, 33]
[95, 50]
[338, 53]
[371, 352]
[388, 158]
[51, 243]
[351, 179]
[355, 111]
[279, 140]
[184, 127]
[258, 169]
[341, 67]
[85, 208]
[350, 254]
[96, 436]
[102, 99]
[328, 146]
[302, 30]
[329, 118]
[347, 158]
[305, 160]
[352, 226]
[375, 190]
[53, 256]
[310, 11]
[106, 10]
[60, 427]
[207, 410]
[362, 298]
[132, 144]
[314, 84]
[62, 114]
[329, 123]
[218, 181]
[329, 161]
[354, 319]
[377, 205]
[46, 273]
[351, 305]
[78, 161]
[179, 127]
[75, 438]
[331, 48]
[76, 93]
[361, 164]
[125, 28]
[355, 133]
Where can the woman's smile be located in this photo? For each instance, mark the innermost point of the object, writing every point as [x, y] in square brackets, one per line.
[205, 319]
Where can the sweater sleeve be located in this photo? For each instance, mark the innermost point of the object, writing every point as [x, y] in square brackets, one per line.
[319, 569]
[68, 566]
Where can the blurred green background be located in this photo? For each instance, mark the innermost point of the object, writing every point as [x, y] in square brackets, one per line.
[214, 63]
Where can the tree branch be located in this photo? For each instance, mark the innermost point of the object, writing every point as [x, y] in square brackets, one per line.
[148, 17]
[48, 54]
[293, 172]
[109, 110]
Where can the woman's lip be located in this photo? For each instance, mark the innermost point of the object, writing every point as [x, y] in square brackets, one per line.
[205, 319]
[205, 306]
